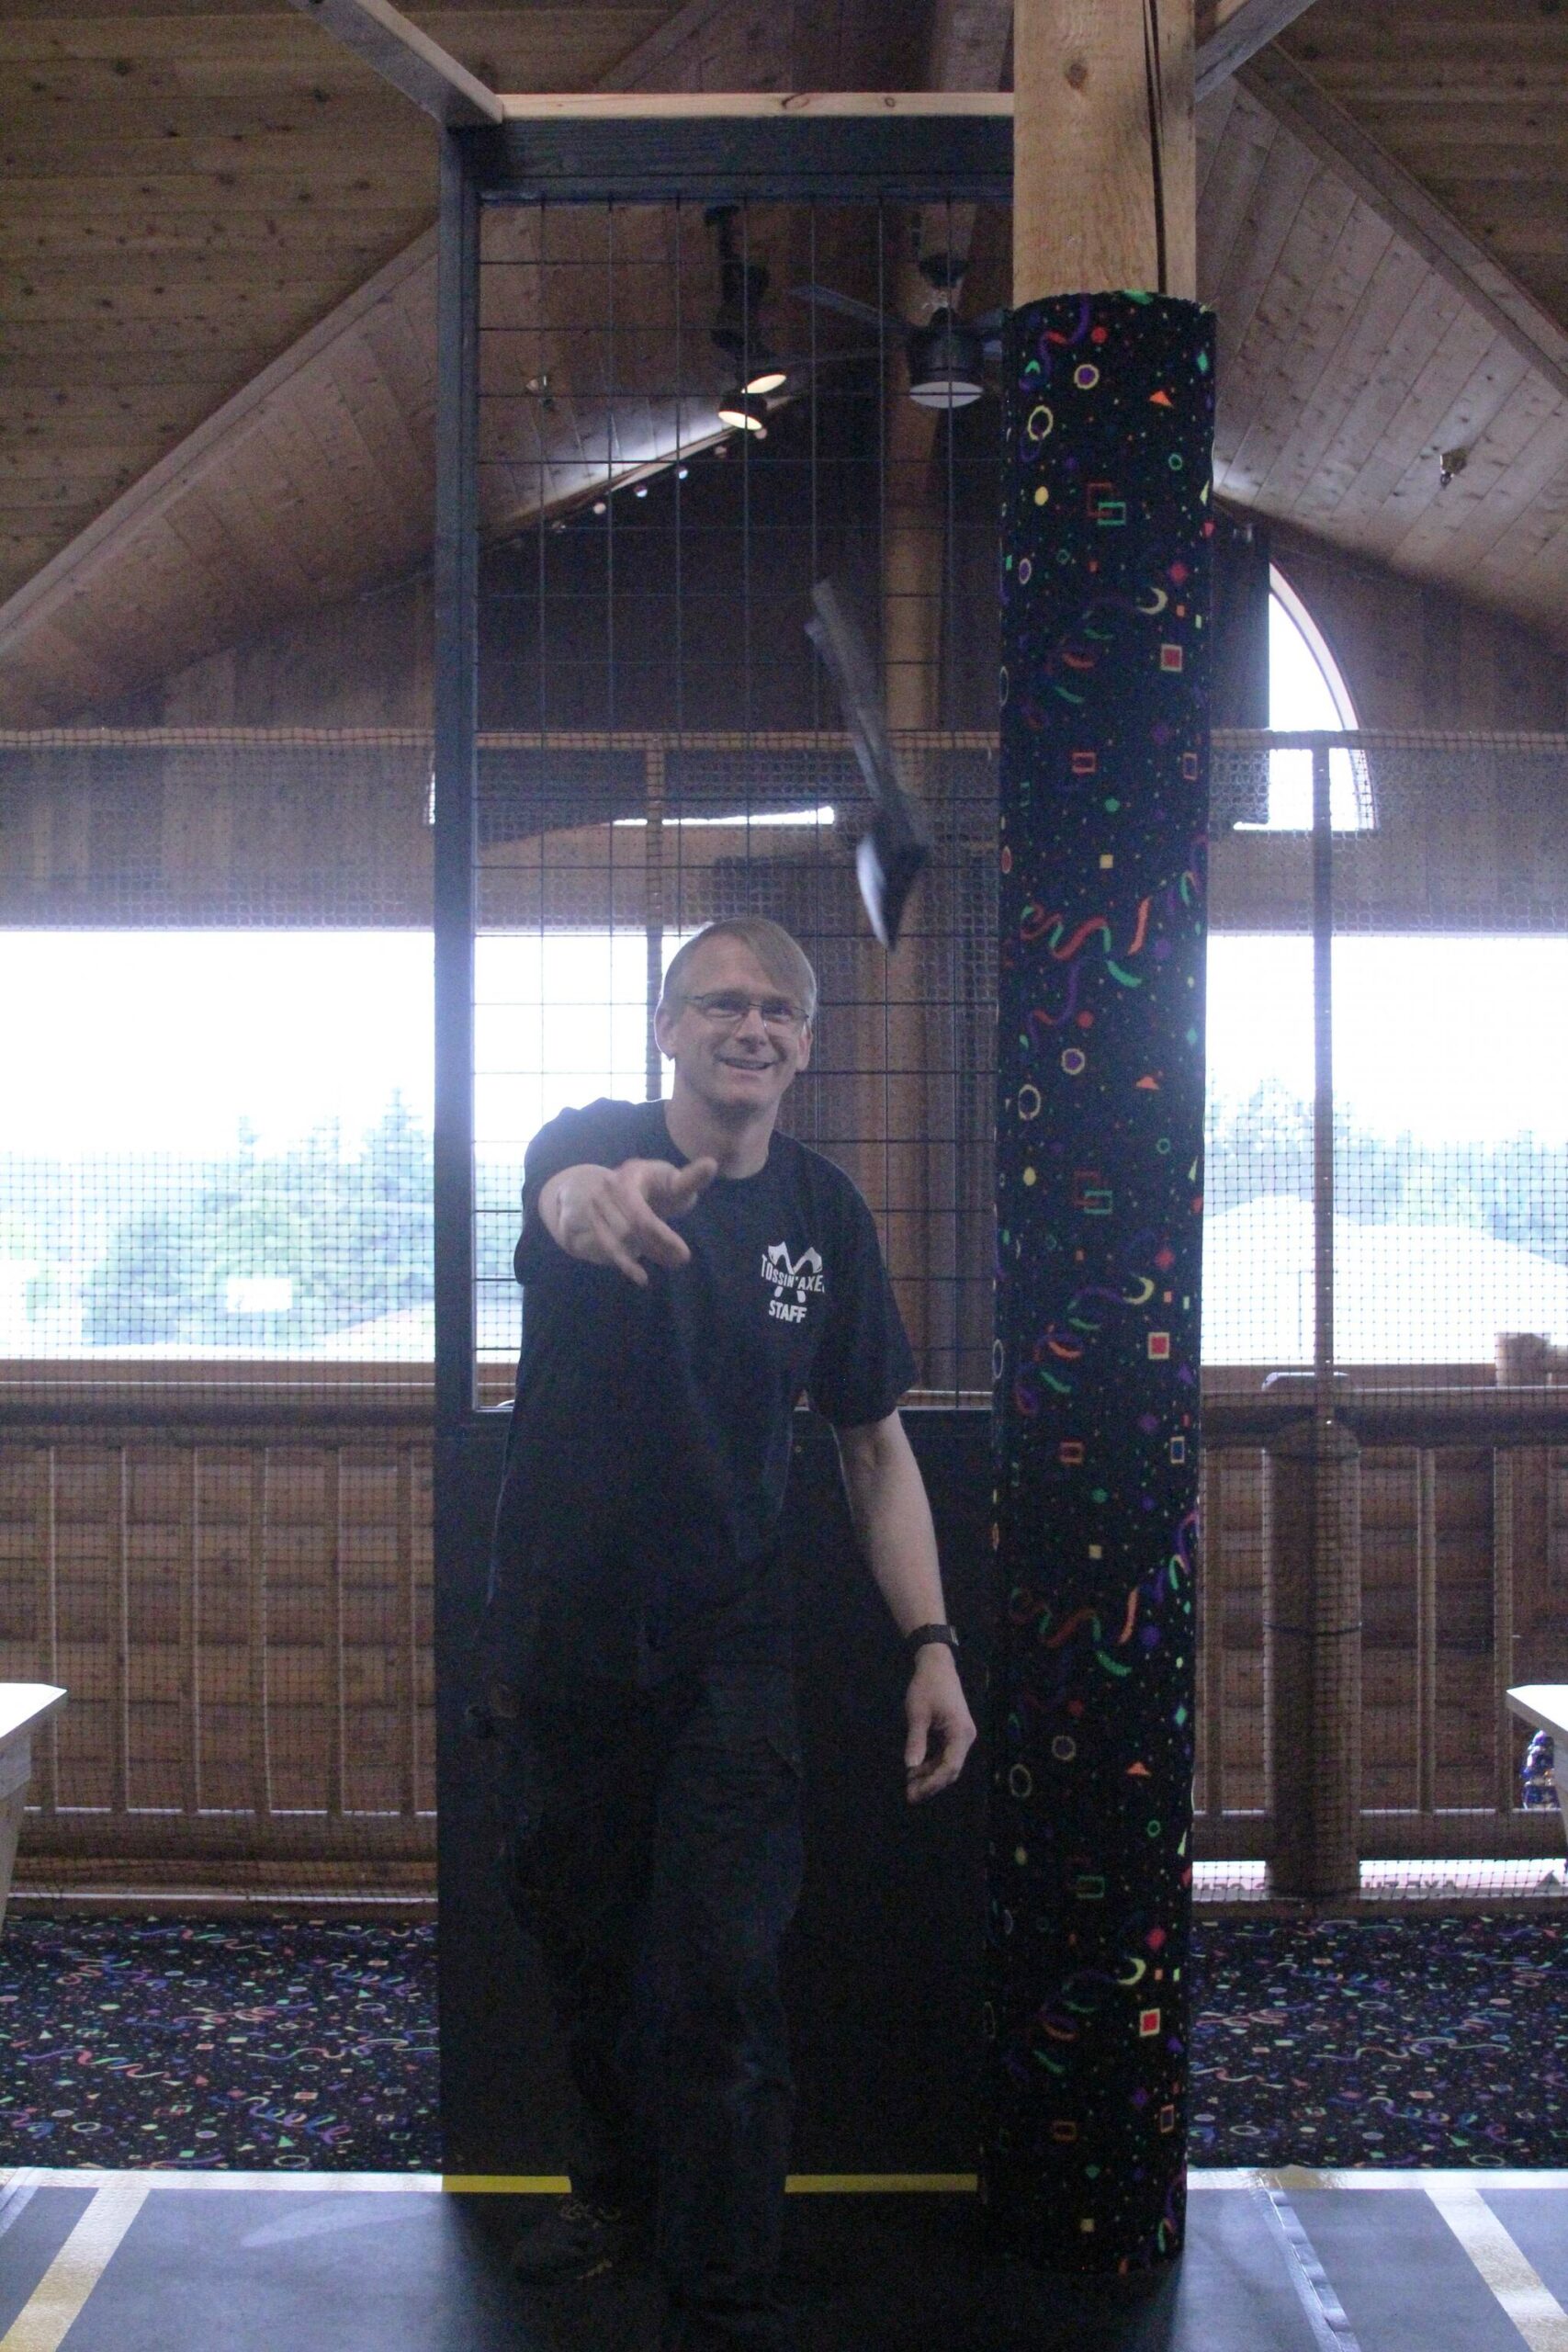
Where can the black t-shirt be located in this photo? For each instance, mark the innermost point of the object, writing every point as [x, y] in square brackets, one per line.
[638, 1523]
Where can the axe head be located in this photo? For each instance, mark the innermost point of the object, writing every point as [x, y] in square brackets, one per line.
[888, 861]
[896, 844]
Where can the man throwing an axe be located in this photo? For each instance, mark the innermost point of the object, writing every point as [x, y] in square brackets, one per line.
[689, 1274]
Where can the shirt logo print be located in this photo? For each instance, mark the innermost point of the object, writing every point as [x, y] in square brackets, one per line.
[792, 1280]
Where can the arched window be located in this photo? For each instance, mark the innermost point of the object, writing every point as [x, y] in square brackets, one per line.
[1307, 691]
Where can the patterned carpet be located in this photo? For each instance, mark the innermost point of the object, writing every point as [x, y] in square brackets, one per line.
[312, 2046]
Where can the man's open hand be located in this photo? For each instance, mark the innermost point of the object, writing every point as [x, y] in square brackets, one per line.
[618, 1217]
[942, 1729]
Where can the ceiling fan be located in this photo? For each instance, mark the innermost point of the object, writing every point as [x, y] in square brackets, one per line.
[947, 354]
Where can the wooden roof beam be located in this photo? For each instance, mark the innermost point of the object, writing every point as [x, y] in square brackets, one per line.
[1302, 107]
[1232, 31]
[407, 59]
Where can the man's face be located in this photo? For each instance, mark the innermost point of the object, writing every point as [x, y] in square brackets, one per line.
[730, 1063]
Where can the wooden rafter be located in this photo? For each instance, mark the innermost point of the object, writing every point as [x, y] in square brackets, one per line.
[1295, 100]
[407, 58]
[1236, 32]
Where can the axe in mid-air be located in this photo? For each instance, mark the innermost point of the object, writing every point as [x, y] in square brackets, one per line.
[896, 844]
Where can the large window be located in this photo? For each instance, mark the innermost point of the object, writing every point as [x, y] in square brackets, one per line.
[1450, 1138]
[218, 1143]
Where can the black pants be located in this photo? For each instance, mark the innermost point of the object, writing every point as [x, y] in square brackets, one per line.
[654, 1854]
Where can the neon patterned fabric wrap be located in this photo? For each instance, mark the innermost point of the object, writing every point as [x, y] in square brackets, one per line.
[1100, 1124]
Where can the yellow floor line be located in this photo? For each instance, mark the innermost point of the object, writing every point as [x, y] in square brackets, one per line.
[799, 2183]
[1522, 2292]
[57, 2301]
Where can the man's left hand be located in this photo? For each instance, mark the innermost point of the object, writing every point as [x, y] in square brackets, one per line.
[942, 1729]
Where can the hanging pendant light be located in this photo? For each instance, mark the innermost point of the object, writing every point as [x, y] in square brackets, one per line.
[946, 363]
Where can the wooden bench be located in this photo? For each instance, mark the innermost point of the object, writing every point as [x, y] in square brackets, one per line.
[23, 1707]
[1544, 1706]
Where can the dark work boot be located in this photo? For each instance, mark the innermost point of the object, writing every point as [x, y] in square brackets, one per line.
[579, 2238]
[691, 2328]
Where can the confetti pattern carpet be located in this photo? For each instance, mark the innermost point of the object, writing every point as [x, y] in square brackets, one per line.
[312, 2046]
[308, 2047]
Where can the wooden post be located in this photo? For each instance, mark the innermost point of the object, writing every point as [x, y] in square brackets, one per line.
[1312, 1645]
[1099, 1105]
[1104, 163]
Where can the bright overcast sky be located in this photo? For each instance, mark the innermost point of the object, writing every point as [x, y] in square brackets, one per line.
[157, 1040]
[1451, 1037]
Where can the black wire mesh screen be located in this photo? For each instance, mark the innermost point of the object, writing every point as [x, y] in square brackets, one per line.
[662, 747]
[215, 1288]
[215, 1306]
[1386, 1253]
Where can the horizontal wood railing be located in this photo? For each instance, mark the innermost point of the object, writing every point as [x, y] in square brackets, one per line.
[1450, 1516]
[235, 1584]
[239, 1603]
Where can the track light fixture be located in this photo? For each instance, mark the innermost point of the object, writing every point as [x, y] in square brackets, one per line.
[743, 411]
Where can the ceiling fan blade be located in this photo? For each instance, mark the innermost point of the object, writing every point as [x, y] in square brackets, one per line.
[865, 314]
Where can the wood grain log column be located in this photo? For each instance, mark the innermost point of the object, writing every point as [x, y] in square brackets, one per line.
[1109, 405]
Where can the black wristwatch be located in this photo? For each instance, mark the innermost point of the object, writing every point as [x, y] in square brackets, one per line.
[923, 1633]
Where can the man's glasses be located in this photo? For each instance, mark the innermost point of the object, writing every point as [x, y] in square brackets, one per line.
[727, 1009]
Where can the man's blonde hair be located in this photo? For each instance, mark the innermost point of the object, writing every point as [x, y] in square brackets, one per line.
[781, 958]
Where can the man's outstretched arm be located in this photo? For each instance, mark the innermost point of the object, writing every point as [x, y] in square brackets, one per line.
[893, 1519]
[615, 1217]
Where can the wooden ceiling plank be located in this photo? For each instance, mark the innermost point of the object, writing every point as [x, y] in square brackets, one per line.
[292, 481]
[1393, 484]
[1525, 549]
[1538, 436]
[1295, 99]
[1400, 281]
[107, 149]
[409, 59]
[1255, 445]
[302, 194]
[257, 549]
[1478, 501]
[245, 302]
[234, 591]
[42, 238]
[357, 469]
[1291, 294]
[1213, 130]
[1233, 190]
[270, 36]
[1271, 218]
[217, 438]
[406, 462]
[1395, 367]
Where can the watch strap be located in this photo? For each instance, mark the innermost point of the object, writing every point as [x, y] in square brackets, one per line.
[917, 1641]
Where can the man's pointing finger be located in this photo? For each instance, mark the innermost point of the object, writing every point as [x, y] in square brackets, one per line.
[688, 1184]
